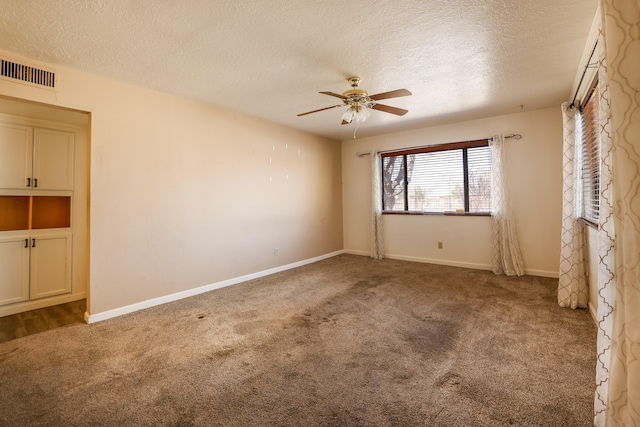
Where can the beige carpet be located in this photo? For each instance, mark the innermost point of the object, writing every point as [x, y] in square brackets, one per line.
[348, 341]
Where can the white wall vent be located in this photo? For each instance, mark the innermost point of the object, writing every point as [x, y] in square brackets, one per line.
[27, 74]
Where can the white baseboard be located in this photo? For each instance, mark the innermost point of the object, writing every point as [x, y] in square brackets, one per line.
[451, 263]
[92, 318]
[542, 273]
[424, 260]
[593, 311]
[355, 252]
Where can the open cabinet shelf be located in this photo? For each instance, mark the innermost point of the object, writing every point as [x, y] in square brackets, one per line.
[34, 212]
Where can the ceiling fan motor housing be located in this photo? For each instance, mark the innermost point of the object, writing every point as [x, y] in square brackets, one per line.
[357, 97]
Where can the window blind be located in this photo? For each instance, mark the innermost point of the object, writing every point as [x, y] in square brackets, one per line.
[437, 179]
[590, 157]
[479, 174]
[437, 182]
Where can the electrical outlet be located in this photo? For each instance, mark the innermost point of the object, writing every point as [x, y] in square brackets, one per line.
[439, 245]
[275, 251]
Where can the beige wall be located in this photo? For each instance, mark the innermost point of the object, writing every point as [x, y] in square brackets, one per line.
[534, 166]
[184, 195]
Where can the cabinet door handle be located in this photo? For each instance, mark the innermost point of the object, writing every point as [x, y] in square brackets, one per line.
[28, 182]
[33, 243]
[26, 243]
[35, 182]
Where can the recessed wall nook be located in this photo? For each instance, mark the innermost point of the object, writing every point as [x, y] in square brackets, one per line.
[43, 211]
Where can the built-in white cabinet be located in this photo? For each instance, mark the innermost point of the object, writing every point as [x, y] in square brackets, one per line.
[49, 265]
[14, 265]
[34, 266]
[35, 158]
[36, 214]
[16, 156]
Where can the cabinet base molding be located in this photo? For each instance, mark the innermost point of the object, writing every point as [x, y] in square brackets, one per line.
[21, 307]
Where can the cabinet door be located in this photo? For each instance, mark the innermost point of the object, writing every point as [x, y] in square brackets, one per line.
[15, 156]
[52, 159]
[14, 269]
[50, 265]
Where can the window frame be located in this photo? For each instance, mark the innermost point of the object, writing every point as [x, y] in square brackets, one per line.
[463, 145]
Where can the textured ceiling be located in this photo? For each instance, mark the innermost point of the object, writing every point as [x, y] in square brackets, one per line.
[462, 59]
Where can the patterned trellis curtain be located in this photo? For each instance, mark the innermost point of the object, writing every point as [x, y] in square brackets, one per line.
[617, 400]
[572, 283]
[377, 242]
[506, 256]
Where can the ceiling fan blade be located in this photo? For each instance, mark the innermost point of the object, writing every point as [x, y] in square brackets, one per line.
[322, 109]
[337, 95]
[393, 94]
[392, 110]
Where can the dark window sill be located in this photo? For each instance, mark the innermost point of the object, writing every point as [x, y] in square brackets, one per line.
[437, 213]
[590, 223]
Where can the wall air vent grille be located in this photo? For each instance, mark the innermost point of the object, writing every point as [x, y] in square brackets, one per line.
[27, 74]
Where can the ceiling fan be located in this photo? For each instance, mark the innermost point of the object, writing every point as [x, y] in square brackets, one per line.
[360, 102]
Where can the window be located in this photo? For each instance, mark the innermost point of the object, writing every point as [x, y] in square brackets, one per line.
[588, 144]
[438, 179]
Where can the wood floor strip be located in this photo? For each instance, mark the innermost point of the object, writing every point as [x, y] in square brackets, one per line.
[35, 321]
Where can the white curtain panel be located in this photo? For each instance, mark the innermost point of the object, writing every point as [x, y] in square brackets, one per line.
[377, 241]
[506, 256]
[617, 400]
[572, 283]
[606, 246]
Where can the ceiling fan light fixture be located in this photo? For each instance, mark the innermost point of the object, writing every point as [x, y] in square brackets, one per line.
[358, 112]
[349, 115]
[362, 114]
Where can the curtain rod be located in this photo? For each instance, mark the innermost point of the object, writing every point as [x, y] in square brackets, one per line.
[515, 136]
[584, 72]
